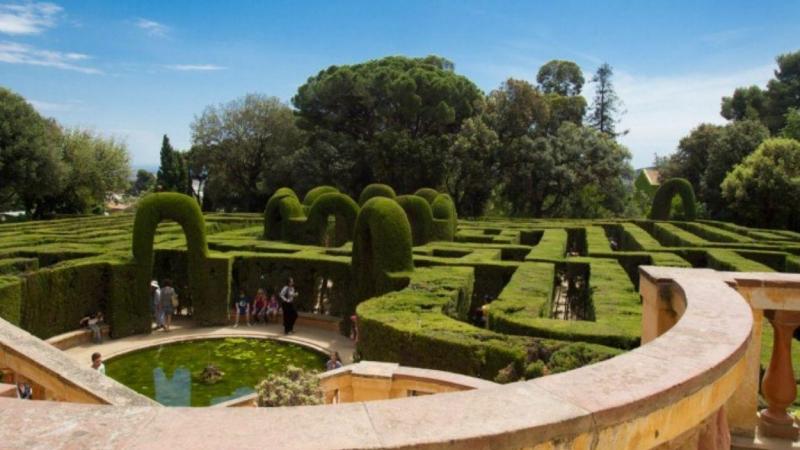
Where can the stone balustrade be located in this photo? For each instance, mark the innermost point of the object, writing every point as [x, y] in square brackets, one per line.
[671, 392]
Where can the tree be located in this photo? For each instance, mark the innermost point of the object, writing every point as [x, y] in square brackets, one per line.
[792, 128]
[173, 173]
[745, 103]
[516, 109]
[394, 118]
[247, 147]
[30, 166]
[734, 143]
[691, 159]
[471, 173]
[145, 182]
[560, 77]
[765, 188]
[539, 175]
[606, 104]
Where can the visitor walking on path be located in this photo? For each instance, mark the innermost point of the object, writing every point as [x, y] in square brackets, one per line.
[97, 363]
[155, 303]
[242, 308]
[288, 294]
[167, 293]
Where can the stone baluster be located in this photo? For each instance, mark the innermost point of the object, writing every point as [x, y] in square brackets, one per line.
[778, 386]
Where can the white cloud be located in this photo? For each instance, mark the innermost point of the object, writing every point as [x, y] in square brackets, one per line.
[152, 28]
[663, 109]
[195, 67]
[16, 53]
[28, 18]
[54, 107]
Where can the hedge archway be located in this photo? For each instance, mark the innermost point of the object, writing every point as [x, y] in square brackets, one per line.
[445, 218]
[344, 208]
[376, 190]
[420, 216]
[283, 208]
[381, 248]
[428, 194]
[314, 194]
[662, 201]
[152, 210]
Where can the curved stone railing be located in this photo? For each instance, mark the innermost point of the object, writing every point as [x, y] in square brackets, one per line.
[669, 391]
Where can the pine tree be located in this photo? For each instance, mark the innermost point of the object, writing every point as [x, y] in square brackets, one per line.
[173, 174]
[603, 114]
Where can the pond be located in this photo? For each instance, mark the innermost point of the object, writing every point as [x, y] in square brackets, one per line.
[171, 374]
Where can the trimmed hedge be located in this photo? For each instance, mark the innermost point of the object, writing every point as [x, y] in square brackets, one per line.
[551, 247]
[662, 201]
[381, 248]
[375, 190]
[429, 194]
[327, 204]
[420, 216]
[11, 299]
[284, 216]
[315, 193]
[445, 218]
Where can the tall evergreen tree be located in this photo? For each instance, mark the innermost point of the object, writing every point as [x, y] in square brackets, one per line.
[603, 114]
[173, 174]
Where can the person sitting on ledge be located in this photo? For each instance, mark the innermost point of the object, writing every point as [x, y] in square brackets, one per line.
[242, 308]
[24, 391]
[93, 322]
[273, 307]
[260, 307]
[334, 362]
[97, 363]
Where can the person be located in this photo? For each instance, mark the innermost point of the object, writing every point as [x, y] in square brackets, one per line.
[97, 363]
[288, 294]
[167, 292]
[334, 362]
[273, 307]
[242, 308]
[24, 391]
[93, 322]
[155, 303]
[260, 307]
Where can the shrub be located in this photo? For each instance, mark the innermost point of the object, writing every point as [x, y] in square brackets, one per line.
[295, 387]
[428, 194]
[420, 216]
[576, 355]
[283, 216]
[326, 204]
[381, 247]
[662, 201]
[536, 369]
[314, 194]
[445, 218]
[375, 190]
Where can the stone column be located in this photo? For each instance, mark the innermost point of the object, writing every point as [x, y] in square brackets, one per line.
[778, 386]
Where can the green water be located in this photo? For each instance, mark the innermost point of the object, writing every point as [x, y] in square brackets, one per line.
[170, 374]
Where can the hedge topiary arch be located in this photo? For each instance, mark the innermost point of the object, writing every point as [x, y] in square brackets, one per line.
[662, 201]
[420, 216]
[282, 208]
[428, 194]
[152, 210]
[381, 248]
[445, 218]
[376, 190]
[344, 208]
[315, 193]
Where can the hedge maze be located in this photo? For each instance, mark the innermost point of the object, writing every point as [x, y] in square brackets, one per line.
[558, 293]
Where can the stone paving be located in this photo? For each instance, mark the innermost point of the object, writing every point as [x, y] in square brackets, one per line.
[182, 330]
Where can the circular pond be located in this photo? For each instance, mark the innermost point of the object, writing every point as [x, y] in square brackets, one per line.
[173, 374]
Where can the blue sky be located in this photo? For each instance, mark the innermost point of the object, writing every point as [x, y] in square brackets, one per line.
[137, 70]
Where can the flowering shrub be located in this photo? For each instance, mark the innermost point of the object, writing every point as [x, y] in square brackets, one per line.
[295, 387]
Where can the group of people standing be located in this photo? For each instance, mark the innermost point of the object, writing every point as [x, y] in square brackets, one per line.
[163, 301]
[267, 304]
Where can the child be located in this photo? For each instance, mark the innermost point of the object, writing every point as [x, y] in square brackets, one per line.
[260, 307]
[97, 363]
[93, 322]
[242, 308]
[273, 307]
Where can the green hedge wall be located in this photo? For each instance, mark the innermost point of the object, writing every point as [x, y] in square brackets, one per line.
[662, 201]
[445, 218]
[551, 247]
[381, 248]
[284, 217]
[11, 299]
[314, 194]
[420, 216]
[375, 190]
